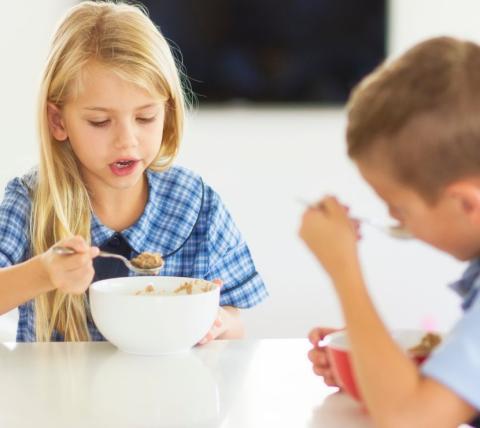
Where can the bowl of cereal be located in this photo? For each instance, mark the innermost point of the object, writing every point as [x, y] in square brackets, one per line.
[417, 344]
[154, 315]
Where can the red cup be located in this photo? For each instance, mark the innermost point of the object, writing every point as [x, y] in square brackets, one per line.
[338, 352]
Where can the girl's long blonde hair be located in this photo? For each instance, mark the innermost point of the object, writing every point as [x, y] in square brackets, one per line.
[121, 37]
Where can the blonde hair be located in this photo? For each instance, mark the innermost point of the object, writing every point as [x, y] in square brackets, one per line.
[121, 37]
[420, 113]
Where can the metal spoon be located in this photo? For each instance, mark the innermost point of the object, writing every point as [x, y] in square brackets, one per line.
[395, 230]
[128, 263]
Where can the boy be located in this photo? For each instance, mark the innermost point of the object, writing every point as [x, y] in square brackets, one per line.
[414, 133]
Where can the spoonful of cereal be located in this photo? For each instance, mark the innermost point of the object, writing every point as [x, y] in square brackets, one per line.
[143, 264]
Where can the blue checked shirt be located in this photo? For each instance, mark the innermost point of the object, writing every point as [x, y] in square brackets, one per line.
[184, 220]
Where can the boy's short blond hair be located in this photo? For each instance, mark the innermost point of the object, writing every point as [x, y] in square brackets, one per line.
[419, 115]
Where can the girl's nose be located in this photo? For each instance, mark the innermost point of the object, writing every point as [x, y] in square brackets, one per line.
[125, 136]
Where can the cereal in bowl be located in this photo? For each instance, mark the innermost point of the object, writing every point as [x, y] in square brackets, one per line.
[195, 286]
[428, 342]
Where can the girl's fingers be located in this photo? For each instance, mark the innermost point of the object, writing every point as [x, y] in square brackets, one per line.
[74, 261]
[79, 245]
[206, 339]
[213, 333]
[76, 243]
[83, 253]
[218, 281]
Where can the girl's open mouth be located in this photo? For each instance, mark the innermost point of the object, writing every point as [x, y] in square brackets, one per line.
[123, 167]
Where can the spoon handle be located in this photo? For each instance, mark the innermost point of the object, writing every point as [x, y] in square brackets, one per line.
[67, 251]
[112, 255]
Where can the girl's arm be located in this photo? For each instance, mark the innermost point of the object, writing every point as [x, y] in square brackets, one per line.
[48, 271]
[22, 282]
[395, 393]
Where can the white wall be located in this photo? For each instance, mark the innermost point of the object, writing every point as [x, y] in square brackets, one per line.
[261, 160]
[414, 20]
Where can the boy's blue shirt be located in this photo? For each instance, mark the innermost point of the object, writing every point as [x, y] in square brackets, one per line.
[184, 220]
[456, 362]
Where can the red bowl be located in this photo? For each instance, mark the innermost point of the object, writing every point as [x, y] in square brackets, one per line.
[337, 348]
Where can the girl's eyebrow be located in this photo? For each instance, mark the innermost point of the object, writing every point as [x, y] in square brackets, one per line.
[109, 110]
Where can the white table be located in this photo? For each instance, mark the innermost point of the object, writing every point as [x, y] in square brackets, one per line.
[226, 384]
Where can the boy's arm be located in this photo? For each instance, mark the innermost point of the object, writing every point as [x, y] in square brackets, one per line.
[395, 393]
[393, 389]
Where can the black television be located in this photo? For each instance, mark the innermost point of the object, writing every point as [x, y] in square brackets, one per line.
[274, 51]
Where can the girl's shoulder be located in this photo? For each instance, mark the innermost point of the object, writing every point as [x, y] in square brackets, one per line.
[24, 185]
[182, 186]
[177, 184]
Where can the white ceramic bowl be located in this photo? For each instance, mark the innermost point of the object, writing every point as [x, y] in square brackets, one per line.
[151, 324]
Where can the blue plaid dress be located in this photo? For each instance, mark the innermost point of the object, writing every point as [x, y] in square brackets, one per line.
[184, 220]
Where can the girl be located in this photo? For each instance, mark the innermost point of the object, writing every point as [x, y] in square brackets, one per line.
[111, 113]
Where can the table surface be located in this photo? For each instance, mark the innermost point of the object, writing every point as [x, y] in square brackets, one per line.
[226, 384]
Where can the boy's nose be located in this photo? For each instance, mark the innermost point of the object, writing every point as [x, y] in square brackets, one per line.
[395, 214]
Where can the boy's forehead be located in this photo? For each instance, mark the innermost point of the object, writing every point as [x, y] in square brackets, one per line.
[380, 177]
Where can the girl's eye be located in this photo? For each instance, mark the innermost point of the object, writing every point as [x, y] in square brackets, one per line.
[146, 119]
[99, 124]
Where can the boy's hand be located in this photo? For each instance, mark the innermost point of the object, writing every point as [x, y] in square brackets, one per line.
[331, 235]
[71, 273]
[318, 355]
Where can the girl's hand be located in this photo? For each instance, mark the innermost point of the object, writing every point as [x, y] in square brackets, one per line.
[71, 273]
[331, 235]
[319, 357]
[220, 325]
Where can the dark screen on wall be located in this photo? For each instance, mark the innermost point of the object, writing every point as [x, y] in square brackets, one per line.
[274, 51]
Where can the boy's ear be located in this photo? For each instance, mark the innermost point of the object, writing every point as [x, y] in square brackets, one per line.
[56, 123]
[467, 192]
